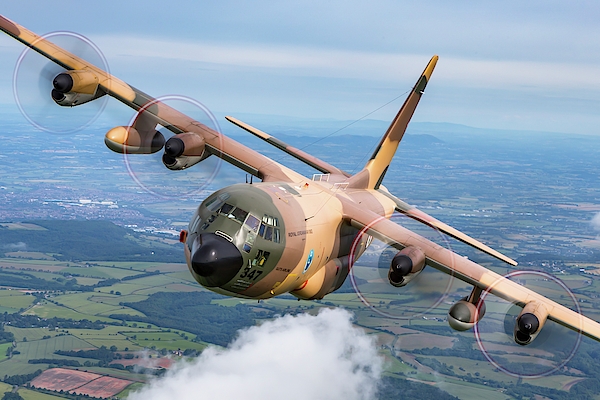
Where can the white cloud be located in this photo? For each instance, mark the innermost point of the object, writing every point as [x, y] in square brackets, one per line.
[16, 246]
[595, 222]
[289, 357]
[357, 64]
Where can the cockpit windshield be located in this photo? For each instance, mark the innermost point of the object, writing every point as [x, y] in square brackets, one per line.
[267, 227]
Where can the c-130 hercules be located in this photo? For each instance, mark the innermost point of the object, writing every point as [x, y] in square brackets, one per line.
[289, 233]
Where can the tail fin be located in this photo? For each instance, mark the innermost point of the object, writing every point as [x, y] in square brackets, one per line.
[372, 175]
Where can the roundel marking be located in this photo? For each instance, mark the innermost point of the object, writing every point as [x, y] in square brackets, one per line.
[309, 260]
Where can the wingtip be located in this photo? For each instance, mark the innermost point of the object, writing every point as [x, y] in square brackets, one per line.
[9, 27]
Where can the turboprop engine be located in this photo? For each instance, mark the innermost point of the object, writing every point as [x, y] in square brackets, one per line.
[529, 323]
[72, 88]
[406, 265]
[184, 150]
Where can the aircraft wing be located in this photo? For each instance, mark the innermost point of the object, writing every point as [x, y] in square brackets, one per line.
[216, 143]
[418, 215]
[466, 270]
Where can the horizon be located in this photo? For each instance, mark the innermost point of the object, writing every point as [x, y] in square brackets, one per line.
[533, 67]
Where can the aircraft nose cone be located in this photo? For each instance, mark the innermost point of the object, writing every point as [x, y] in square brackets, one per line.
[215, 259]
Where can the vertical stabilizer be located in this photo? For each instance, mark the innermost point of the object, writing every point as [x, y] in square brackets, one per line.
[372, 175]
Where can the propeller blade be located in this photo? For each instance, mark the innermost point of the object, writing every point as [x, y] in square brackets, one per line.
[419, 298]
[36, 104]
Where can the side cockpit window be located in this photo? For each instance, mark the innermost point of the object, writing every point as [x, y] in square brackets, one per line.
[216, 202]
[268, 229]
[194, 224]
[252, 222]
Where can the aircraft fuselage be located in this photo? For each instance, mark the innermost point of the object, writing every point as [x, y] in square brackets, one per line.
[261, 240]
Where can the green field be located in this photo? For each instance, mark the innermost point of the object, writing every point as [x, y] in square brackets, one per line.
[99, 272]
[3, 348]
[87, 303]
[466, 391]
[30, 333]
[165, 340]
[5, 387]
[45, 348]
[13, 300]
[397, 338]
[28, 394]
[131, 388]
[49, 310]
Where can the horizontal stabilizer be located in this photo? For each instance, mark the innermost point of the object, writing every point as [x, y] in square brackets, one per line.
[306, 158]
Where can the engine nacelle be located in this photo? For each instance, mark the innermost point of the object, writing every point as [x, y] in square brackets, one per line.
[184, 150]
[127, 139]
[529, 323]
[72, 88]
[463, 315]
[406, 265]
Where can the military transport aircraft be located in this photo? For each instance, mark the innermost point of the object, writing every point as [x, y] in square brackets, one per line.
[289, 233]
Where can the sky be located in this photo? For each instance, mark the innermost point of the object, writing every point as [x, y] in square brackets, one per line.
[504, 65]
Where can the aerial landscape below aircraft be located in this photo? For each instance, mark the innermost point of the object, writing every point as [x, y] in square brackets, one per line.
[290, 233]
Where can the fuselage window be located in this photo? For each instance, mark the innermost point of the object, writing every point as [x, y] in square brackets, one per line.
[252, 222]
[276, 237]
[261, 230]
[251, 238]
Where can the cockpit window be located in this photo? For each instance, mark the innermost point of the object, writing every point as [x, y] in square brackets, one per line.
[239, 215]
[269, 233]
[267, 229]
[214, 204]
[226, 209]
[252, 222]
[194, 224]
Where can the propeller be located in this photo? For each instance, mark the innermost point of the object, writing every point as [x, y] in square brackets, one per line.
[547, 353]
[33, 84]
[419, 298]
[148, 171]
